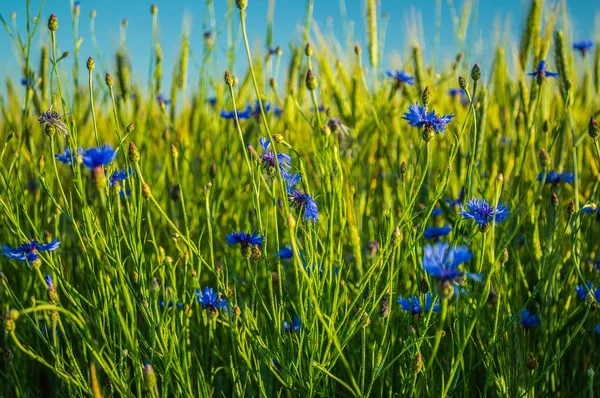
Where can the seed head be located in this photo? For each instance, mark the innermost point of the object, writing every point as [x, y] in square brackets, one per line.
[133, 153]
[90, 64]
[311, 81]
[545, 161]
[593, 128]
[462, 83]
[229, 79]
[129, 128]
[109, 80]
[53, 23]
[475, 73]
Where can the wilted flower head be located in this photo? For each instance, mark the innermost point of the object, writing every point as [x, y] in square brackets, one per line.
[442, 261]
[417, 116]
[554, 177]
[401, 77]
[29, 251]
[542, 72]
[413, 304]
[98, 156]
[529, 320]
[483, 213]
[583, 46]
[268, 159]
[54, 119]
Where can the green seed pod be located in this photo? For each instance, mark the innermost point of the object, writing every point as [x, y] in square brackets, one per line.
[129, 128]
[504, 256]
[53, 23]
[308, 50]
[149, 376]
[109, 80]
[311, 81]
[133, 153]
[153, 9]
[462, 83]
[146, 191]
[241, 4]
[90, 64]
[50, 130]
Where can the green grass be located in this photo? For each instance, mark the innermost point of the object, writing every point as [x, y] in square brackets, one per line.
[376, 181]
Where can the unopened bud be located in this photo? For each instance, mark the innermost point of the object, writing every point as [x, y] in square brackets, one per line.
[593, 128]
[229, 80]
[109, 80]
[130, 128]
[241, 4]
[504, 256]
[133, 153]
[544, 159]
[357, 49]
[153, 9]
[146, 191]
[475, 73]
[462, 83]
[311, 81]
[90, 64]
[308, 51]
[53, 23]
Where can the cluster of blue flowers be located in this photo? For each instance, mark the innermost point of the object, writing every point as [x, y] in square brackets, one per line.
[250, 111]
[413, 304]
[555, 178]
[91, 158]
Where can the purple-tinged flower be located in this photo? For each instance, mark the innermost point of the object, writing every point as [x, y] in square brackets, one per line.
[210, 299]
[401, 77]
[293, 326]
[162, 100]
[583, 46]
[98, 156]
[268, 159]
[417, 116]
[529, 320]
[305, 204]
[120, 176]
[432, 232]
[442, 261]
[555, 178]
[583, 290]
[54, 119]
[413, 304]
[29, 251]
[483, 213]
[542, 72]
[456, 92]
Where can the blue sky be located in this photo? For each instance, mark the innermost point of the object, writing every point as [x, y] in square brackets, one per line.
[289, 16]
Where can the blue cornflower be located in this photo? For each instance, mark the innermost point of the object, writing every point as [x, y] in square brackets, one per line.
[54, 119]
[277, 111]
[442, 261]
[417, 116]
[162, 100]
[305, 204]
[554, 177]
[285, 253]
[542, 72]
[256, 111]
[291, 180]
[483, 213]
[436, 232]
[437, 211]
[413, 304]
[591, 209]
[401, 77]
[529, 320]
[268, 159]
[212, 101]
[582, 291]
[210, 299]
[49, 283]
[245, 239]
[98, 156]
[242, 115]
[294, 326]
[597, 329]
[455, 92]
[29, 251]
[67, 157]
[583, 46]
[120, 176]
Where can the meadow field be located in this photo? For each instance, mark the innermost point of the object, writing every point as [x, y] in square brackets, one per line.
[313, 223]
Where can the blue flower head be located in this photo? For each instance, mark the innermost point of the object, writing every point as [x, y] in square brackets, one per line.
[291, 180]
[242, 115]
[555, 178]
[210, 299]
[417, 116]
[29, 251]
[285, 253]
[120, 176]
[67, 157]
[441, 261]
[436, 232]
[401, 77]
[597, 329]
[49, 282]
[541, 71]
[162, 100]
[294, 326]
[582, 290]
[268, 159]
[583, 46]
[529, 320]
[305, 204]
[413, 304]
[483, 213]
[256, 110]
[245, 239]
[98, 157]
[456, 92]
[437, 211]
